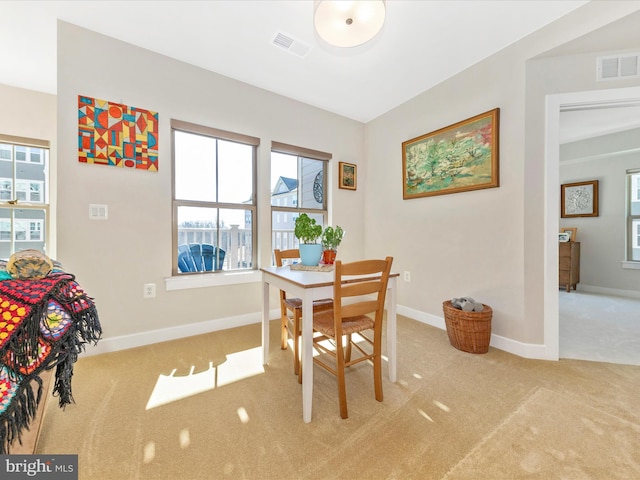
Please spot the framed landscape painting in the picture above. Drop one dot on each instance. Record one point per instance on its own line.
(457, 158)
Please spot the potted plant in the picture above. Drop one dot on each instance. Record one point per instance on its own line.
(331, 238)
(307, 231)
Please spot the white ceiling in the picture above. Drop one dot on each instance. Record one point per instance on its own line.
(421, 44)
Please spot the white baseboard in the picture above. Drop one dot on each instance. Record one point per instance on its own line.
(616, 292)
(150, 337)
(114, 344)
(525, 350)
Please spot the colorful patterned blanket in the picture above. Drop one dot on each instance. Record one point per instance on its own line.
(44, 324)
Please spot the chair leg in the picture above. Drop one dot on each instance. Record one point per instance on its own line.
(283, 331)
(296, 345)
(377, 375)
(342, 388)
(347, 353)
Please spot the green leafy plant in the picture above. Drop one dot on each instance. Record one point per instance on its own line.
(307, 230)
(331, 237)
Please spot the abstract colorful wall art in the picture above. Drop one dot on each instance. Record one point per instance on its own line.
(117, 135)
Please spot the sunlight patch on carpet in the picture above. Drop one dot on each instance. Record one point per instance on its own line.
(236, 367)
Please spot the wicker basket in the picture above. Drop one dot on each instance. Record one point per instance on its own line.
(468, 331)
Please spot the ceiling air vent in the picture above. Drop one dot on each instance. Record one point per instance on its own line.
(290, 44)
(618, 67)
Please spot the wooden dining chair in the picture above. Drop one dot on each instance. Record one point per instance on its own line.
(358, 308)
(291, 311)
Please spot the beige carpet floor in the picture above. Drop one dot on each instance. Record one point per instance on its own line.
(205, 408)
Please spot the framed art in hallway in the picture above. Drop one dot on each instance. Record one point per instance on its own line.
(348, 176)
(458, 158)
(579, 199)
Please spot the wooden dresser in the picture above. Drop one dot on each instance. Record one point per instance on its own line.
(569, 264)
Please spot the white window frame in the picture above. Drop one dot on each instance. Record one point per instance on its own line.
(633, 218)
(27, 204)
(295, 210)
(238, 275)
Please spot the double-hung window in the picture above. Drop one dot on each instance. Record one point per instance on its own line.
(633, 215)
(24, 194)
(298, 185)
(214, 199)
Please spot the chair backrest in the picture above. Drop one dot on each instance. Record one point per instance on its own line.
(185, 262)
(360, 288)
(211, 253)
(282, 255)
(197, 257)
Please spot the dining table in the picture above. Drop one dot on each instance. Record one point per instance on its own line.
(310, 285)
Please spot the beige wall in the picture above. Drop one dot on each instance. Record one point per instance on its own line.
(30, 114)
(487, 244)
(113, 259)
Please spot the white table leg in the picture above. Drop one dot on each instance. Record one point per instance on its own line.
(391, 328)
(265, 323)
(307, 355)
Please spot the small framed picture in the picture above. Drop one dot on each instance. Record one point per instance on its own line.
(564, 237)
(571, 231)
(348, 176)
(579, 199)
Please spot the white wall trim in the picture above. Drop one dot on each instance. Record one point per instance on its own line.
(212, 279)
(630, 265)
(616, 292)
(552, 197)
(525, 350)
(150, 337)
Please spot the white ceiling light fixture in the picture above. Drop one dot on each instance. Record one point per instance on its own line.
(345, 23)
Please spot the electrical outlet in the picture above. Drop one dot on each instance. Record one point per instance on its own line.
(407, 277)
(149, 290)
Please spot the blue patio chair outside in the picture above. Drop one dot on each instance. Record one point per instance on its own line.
(209, 253)
(196, 255)
(185, 262)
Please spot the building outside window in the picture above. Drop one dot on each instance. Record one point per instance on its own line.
(214, 200)
(298, 184)
(633, 215)
(24, 194)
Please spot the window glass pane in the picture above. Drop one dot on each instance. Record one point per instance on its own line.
(228, 229)
(5, 151)
(284, 179)
(236, 237)
(195, 167)
(282, 231)
(21, 153)
(197, 225)
(635, 235)
(235, 165)
(6, 192)
(312, 183)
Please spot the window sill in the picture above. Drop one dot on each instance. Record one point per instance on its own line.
(212, 280)
(631, 265)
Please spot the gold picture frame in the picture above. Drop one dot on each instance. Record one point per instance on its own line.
(347, 176)
(458, 158)
(579, 199)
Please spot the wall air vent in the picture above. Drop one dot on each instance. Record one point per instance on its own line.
(618, 67)
(291, 44)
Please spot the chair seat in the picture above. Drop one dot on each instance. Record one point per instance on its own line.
(296, 303)
(323, 323)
